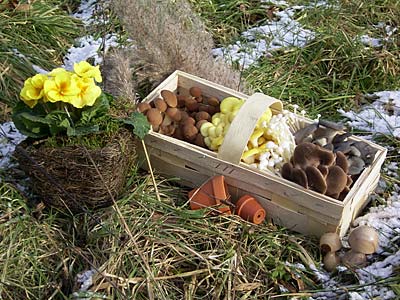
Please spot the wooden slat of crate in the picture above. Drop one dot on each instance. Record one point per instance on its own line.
(287, 203)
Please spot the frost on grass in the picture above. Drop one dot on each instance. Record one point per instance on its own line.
(262, 41)
(9, 138)
(382, 116)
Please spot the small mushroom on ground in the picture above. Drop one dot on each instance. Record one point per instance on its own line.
(170, 98)
(316, 181)
(330, 242)
(331, 261)
(354, 259)
(364, 239)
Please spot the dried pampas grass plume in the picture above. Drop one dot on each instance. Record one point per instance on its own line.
(117, 75)
(169, 36)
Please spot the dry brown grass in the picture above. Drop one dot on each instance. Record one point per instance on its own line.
(169, 36)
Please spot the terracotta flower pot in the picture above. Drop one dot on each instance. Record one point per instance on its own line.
(250, 210)
(213, 193)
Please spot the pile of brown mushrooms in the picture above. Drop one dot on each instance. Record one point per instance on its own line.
(363, 240)
(180, 116)
(319, 169)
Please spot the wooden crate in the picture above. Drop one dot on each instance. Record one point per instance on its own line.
(286, 203)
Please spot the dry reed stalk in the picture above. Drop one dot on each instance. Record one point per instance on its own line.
(169, 36)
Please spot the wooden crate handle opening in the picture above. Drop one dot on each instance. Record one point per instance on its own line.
(243, 125)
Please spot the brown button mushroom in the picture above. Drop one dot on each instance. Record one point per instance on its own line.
(188, 121)
(154, 117)
(354, 259)
(300, 177)
(192, 105)
(330, 242)
(212, 101)
(331, 261)
(167, 130)
(184, 115)
(143, 107)
(199, 140)
(189, 132)
(195, 91)
(170, 98)
(316, 180)
(178, 134)
(202, 115)
(160, 104)
(204, 107)
(364, 239)
(336, 181)
(341, 161)
(174, 113)
(181, 100)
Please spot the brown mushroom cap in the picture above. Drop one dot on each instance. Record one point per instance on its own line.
(324, 170)
(341, 161)
(354, 259)
(154, 117)
(174, 113)
(336, 181)
(195, 91)
(326, 157)
(204, 107)
(212, 101)
(170, 98)
(200, 123)
(192, 105)
(199, 140)
(203, 115)
(188, 121)
(160, 104)
(167, 130)
(331, 261)
(143, 107)
(364, 239)
(305, 155)
(178, 134)
(181, 100)
(184, 115)
(316, 180)
(189, 132)
(299, 177)
(213, 109)
(330, 242)
(286, 171)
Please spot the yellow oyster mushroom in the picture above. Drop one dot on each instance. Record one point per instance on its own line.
(204, 128)
(216, 142)
(251, 152)
(265, 117)
(86, 70)
(62, 87)
(255, 136)
(33, 90)
(89, 92)
(229, 103)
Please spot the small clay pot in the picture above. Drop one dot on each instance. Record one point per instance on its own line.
(250, 210)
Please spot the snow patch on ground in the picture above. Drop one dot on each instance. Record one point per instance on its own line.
(9, 138)
(382, 116)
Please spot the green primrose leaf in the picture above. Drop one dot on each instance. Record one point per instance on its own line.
(140, 124)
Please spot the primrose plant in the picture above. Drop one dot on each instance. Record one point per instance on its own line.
(65, 102)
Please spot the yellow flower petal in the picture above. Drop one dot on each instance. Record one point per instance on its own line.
(86, 70)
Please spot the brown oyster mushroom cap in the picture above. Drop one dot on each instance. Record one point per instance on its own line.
(364, 239)
(336, 181)
(299, 177)
(154, 117)
(341, 161)
(316, 180)
(143, 107)
(202, 115)
(343, 193)
(354, 259)
(331, 261)
(192, 105)
(174, 113)
(170, 98)
(326, 157)
(305, 155)
(305, 132)
(199, 140)
(195, 91)
(323, 169)
(189, 132)
(286, 171)
(160, 104)
(330, 242)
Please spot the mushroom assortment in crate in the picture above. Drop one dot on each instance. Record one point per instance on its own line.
(316, 156)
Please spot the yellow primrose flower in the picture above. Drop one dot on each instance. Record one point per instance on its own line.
(62, 87)
(56, 71)
(33, 89)
(86, 70)
(88, 94)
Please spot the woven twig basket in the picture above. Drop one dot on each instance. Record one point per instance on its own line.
(76, 178)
